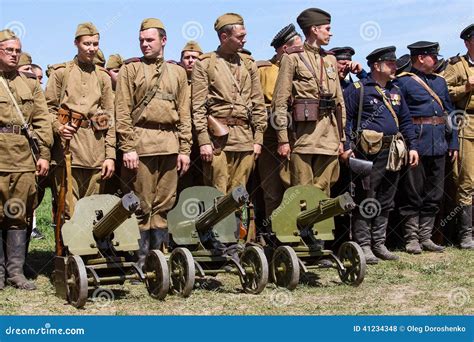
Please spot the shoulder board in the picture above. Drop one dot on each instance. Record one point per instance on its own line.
(132, 60)
(261, 64)
(455, 59)
(28, 74)
(57, 66)
(405, 73)
(295, 49)
(172, 61)
(205, 55)
(245, 56)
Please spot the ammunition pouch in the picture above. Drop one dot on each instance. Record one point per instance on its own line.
(218, 132)
(370, 142)
(398, 153)
(99, 122)
(308, 110)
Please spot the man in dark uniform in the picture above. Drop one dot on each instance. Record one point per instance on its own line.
(383, 110)
(346, 66)
(403, 64)
(427, 98)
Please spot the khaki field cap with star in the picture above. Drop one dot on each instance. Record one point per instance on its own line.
(7, 35)
(114, 62)
(192, 46)
(151, 23)
(228, 19)
(86, 29)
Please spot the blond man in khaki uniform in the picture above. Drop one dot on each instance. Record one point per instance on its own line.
(459, 76)
(17, 166)
(273, 169)
(225, 85)
(308, 73)
(84, 89)
(154, 132)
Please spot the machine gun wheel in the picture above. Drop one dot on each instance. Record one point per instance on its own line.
(353, 259)
(76, 277)
(157, 276)
(255, 264)
(183, 271)
(285, 269)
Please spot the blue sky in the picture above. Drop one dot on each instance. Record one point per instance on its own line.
(47, 27)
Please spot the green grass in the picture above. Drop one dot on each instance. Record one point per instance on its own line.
(427, 284)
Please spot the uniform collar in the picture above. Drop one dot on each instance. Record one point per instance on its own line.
(313, 49)
(89, 67)
(9, 75)
(234, 58)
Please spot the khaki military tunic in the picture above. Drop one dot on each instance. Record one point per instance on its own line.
(17, 167)
(84, 89)
(317, 141)
(162, 131)
(228, 89)
(273, 170)
(456, 75)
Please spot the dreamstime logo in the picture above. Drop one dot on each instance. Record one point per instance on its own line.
(14, 208)
(281, 297)
(192, 30)
(458, 119)
(279, 122)
(191, 208)
(17, 27)
(370, 30)
(458, 297)
(370, 208)
(102, 297)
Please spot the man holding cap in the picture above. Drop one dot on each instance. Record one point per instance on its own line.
(17, 164)
(189, 55)
(345, 65)
(459, 75)
(308, 75)
(272, 168)
(154, 132)
(428, 100)
(225, 86)
(382, 113)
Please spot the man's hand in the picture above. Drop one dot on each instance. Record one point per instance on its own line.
(470, 84)
(42, 167)
(346, 155)
(284, 150)
(67, 131)
(340, 149)
(257, 150)
(108, 168)
(453, 154)
(130, 160)
(413, 158)
(206, 152)
(355, 67)
(182, 164)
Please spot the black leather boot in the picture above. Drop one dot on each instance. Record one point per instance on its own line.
(16, 247)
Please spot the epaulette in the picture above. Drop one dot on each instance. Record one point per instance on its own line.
(132, 60)
(28, 74)
(295, 49)
(261, 64)
(173, 62)
(57, 66)
(205, 55)
(405, 73)
(454, 59)
(245, 56)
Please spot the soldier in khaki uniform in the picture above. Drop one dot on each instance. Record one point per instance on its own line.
(189, 55)
(154, 132)
(225, 85)
(24, 64)
(308, 75)
(273, 169)
(85, 89)
(459, 76)
(114, 63)
(17, 166)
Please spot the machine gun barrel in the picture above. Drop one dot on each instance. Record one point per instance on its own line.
(107, 223)
(326, 209)
(222, 208)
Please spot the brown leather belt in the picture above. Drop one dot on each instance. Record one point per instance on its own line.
(429, 120)
(12, 129)
(162, 127)
(470, 111)
(233, 121)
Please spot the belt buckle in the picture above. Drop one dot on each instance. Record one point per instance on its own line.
(16, 129)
